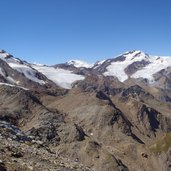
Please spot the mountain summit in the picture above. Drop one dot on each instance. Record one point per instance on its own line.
(79, 64)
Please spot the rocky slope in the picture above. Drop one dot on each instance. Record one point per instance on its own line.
(113, 115)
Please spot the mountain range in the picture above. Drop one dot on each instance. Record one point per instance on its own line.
(113, 115)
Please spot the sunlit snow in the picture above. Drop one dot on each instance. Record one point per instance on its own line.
(79, 64)
(157, 64)
(61, 77)
(11, 85)
(21, 67)
(27, 71)
(117, 68)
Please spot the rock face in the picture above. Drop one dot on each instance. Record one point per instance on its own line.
(2, 166)
(112, 120)
(135, 66)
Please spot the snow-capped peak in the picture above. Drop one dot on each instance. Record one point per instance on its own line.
(79, 64)
(135, 55)
(156, 64)
(21, 66)
(4, 54)
(117, 68)
(148, 65)
(134, 52)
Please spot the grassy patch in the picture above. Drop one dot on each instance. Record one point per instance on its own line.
(162, 145)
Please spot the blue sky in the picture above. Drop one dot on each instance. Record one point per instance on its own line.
(55, 31)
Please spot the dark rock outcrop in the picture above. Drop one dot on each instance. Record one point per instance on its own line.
(135, 66)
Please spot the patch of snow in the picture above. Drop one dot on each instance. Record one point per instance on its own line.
(4, 55)
(35, 63)
(27, 71)
(7, 125)
(21, 66)
(11, 80)
(98, 63)
(11, 85)
(117, 68)
(1, 72)
(8, 78)
(157, 64)
(61, 77)
(79, 64)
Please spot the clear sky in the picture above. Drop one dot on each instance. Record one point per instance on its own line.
(55, 31)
